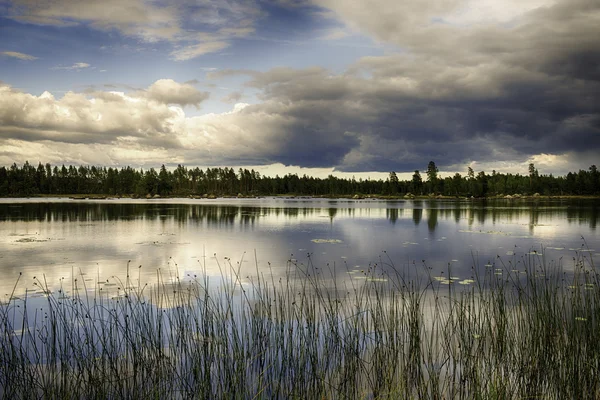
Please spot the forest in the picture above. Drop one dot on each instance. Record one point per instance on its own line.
(29, 180)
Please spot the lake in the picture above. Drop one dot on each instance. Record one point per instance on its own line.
(299, 298)
(60, 240)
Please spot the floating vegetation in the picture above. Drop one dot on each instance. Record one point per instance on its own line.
(443, 280)
(377, 279)
(326, 241)
(31, 240)
(371, 279)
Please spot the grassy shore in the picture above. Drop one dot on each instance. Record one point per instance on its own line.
(524, 328)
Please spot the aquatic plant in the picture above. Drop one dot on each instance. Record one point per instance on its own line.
(530, 332)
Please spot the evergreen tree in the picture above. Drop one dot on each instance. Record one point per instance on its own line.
(393, 183)
(417, 182)
(432, 177)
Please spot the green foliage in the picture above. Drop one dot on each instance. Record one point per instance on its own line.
(417, 183)
(28, 180)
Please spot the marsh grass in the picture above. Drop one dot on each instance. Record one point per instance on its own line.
(523, 328)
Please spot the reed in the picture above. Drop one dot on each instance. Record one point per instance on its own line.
(523, 328)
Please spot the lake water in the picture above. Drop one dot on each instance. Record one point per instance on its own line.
(59, 240)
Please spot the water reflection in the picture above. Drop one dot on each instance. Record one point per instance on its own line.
(481, 212)
(392, 214)
(65, 238)
(417, 214)
(432, 217)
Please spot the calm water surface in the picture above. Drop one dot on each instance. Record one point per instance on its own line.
(93, 241)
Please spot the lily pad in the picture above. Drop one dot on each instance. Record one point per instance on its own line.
(326, 241)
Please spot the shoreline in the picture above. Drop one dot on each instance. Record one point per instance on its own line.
(293, 196)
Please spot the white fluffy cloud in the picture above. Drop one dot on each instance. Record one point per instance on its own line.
(79, 118)
(170, 92)
(131, 128)
(146, 126)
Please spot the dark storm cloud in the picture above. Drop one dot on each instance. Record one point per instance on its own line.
(482, 93)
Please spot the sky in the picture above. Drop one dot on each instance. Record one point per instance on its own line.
(353, 88)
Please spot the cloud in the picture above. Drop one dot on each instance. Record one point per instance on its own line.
(143, 19)
(262, 134)
(141, 120)
(233, 97)
(168, 91)
(223, 73)
(481, 101)
(461, 82)
(334, 34)
(517, 83)
(77, 118)
(472, 33)
(196, 50)
(20, 56)
(194, 28)
(75, 67)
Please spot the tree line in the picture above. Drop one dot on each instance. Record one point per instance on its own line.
(29, 180)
